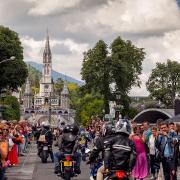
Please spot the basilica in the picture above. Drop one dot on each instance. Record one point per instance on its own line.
(46, 97)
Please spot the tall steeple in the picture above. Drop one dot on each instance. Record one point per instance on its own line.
(28, 96)
(47, 51)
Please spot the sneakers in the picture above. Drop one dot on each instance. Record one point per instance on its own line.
(77, 171)
(153, 177)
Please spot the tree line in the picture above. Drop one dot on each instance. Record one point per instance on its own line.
(106, 70)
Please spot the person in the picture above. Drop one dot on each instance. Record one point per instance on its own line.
(3, 154)
(140, 170)
(68, 143)
(166, 151)
(49, 139)
(119, 148)
(154, 164)
(147, 130)
(108, 131)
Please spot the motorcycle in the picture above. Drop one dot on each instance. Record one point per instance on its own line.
(67, 167)
(44, 154)
(116, 175)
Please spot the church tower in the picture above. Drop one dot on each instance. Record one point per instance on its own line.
(46, 83)
(65, 97)
(28, 96)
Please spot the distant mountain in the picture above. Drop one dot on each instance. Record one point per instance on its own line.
(178, 2)
(55, 74)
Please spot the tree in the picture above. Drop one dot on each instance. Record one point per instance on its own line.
(95, 71)
(13, 73)
(164, 82)
(126, 64)
(58, 86)
(120, 68)
(88, 106)
(12, 110)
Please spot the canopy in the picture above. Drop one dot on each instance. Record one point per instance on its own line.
(153, 114)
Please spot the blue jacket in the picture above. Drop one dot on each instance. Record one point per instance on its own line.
(163, 140)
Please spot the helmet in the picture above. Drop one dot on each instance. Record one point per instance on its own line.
(108, 128)
(68, 129)
(46, 125)
(71, 129)
(123, 126)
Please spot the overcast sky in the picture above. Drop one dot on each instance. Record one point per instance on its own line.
(76, 25)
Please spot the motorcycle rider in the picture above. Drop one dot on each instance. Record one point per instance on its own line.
(108, 131)
(120, 151)
(48, 137)
(68, 143)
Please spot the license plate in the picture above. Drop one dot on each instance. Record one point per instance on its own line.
(68, 163)
(45, 148)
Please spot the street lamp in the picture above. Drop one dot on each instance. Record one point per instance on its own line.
(118, 97)
(12, 58)
(50, 109)
(2, 95)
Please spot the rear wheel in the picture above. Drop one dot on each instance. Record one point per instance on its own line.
(44, 157)
(67, 176)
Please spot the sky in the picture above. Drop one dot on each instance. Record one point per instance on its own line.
(76, 25)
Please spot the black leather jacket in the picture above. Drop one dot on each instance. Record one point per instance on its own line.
(99, 148)
(48, 136)
(120, 153)
(68, 143)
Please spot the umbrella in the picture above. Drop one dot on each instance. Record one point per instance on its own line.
(175, 119)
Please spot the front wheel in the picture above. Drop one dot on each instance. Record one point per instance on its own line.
(67, 176)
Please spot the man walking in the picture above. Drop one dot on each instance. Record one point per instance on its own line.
(165, 145)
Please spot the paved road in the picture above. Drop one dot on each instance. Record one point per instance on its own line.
(31, 168)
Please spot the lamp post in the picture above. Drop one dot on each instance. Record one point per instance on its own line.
(3, 95)
(50, 109)
(12, 58)
(118, 97)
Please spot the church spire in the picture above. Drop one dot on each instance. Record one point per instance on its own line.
(47, 50)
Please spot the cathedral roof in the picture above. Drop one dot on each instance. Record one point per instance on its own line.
(47, 51)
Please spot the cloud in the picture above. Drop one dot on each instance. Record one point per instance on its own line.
(136, 91)
(68, 63)
(76, 25)
(139, 16)
(49, 7)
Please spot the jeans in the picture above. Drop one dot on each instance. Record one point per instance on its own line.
(58, 156)
(168, 167)
(2, 174)
(154, 164)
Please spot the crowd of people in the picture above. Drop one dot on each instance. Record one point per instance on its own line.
(156, 145)
(14, 140)
(157, 148)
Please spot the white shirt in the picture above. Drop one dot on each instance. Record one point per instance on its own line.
(152, 144)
